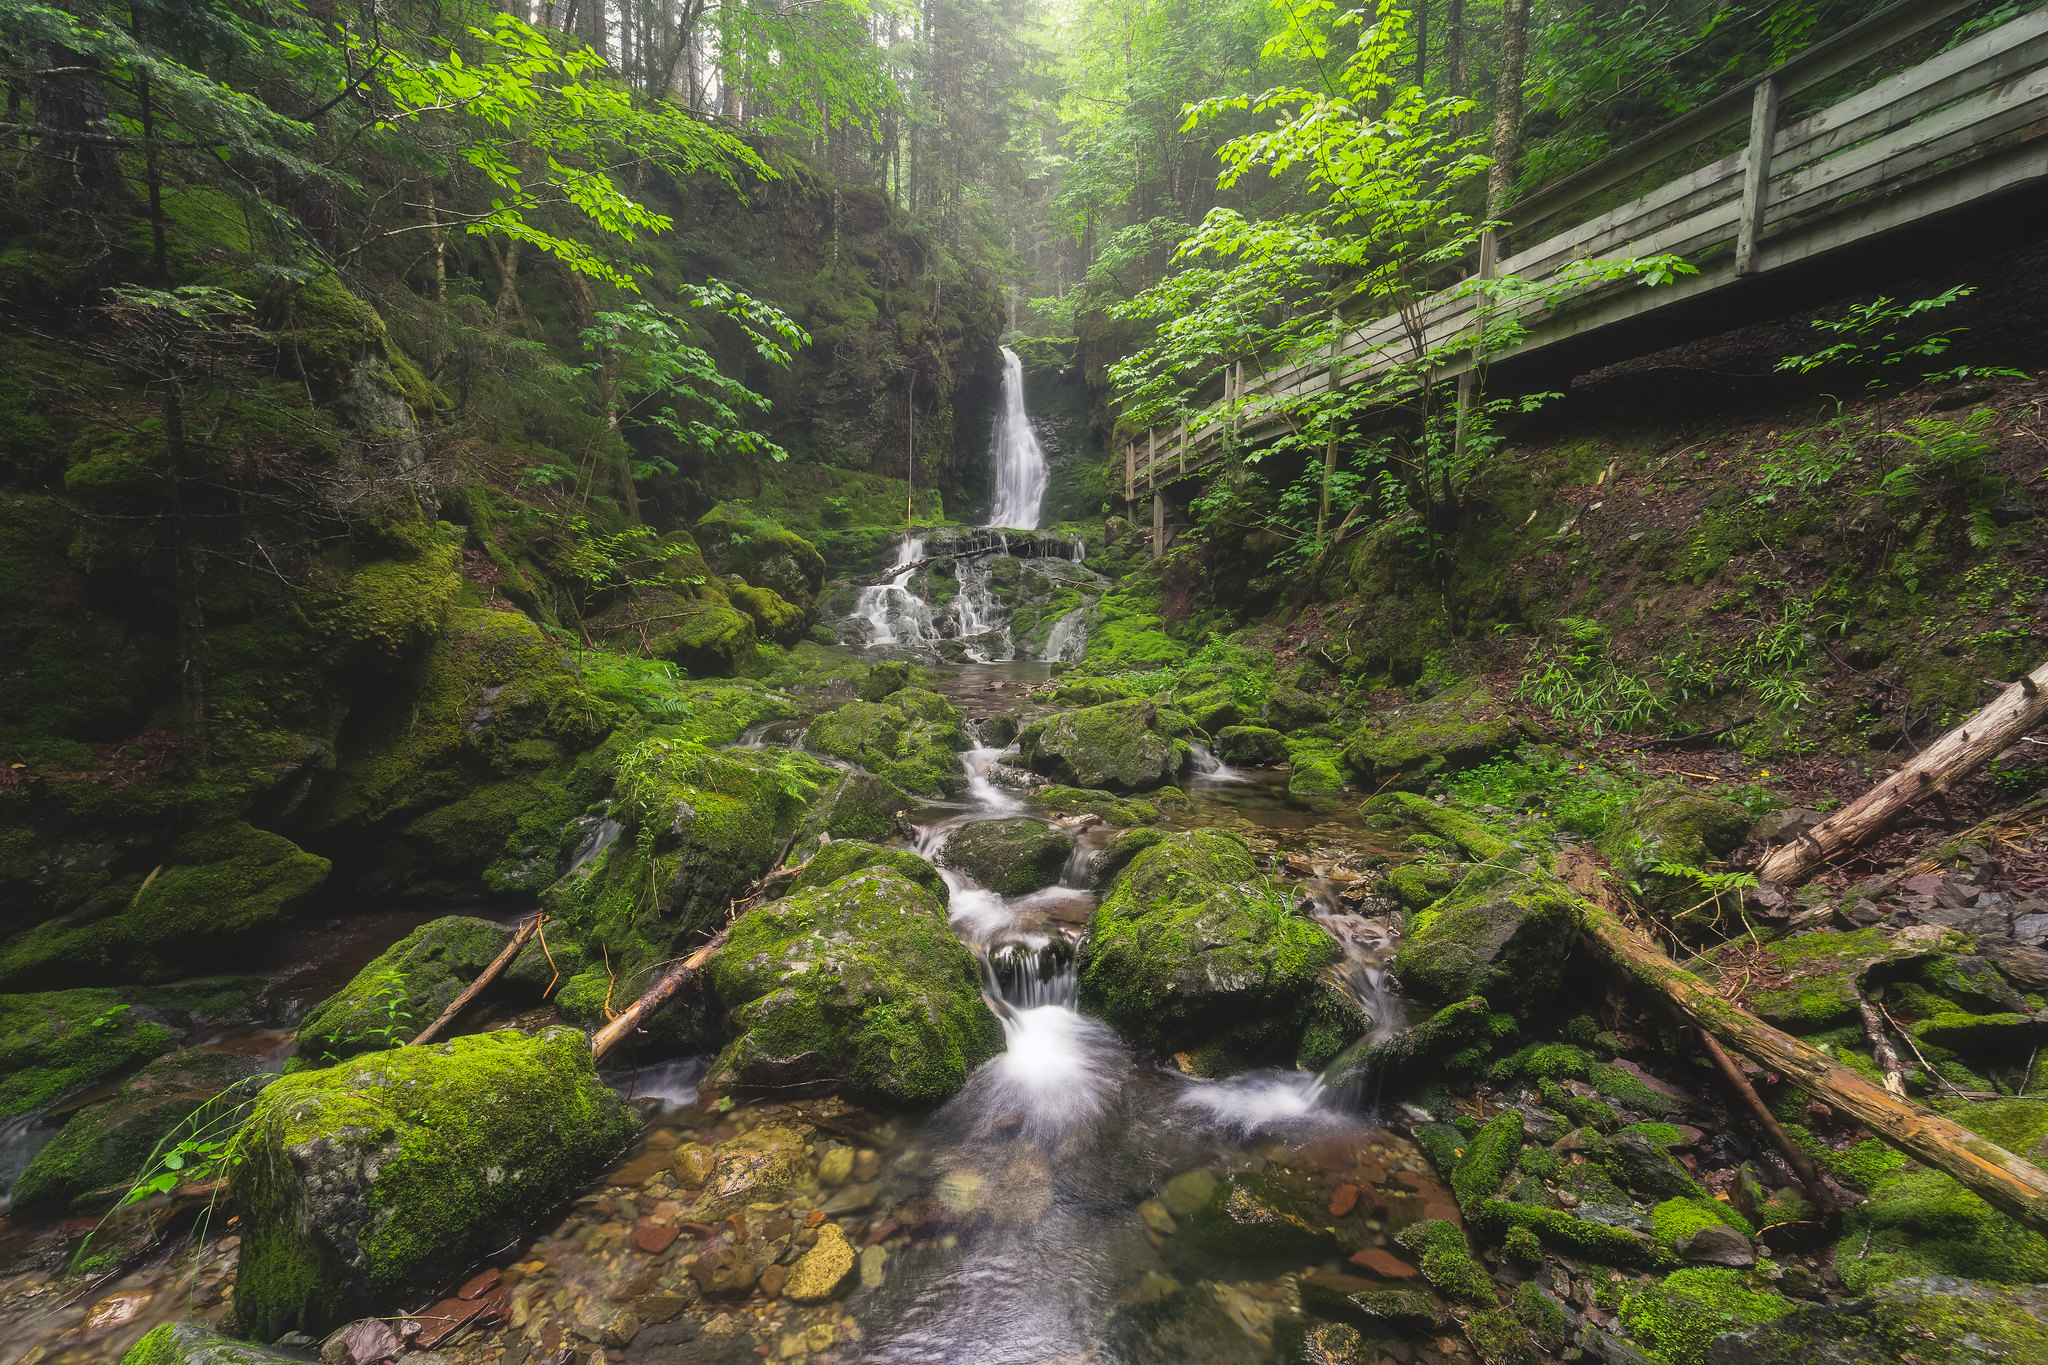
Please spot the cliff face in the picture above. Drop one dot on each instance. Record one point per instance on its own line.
(1057, 399)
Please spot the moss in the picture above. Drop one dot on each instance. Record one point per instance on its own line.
(863, 807)
(1251, 746)
(860, 982)
(367, 1179)
(1419, 885)
(1010, 857)
(1188, 945)
(1118, 854)
(1407, 746)
(1127, 746)
(1922, 1222)
(712, 639)
(913, 748)
(1524, 1246)
(1674, 1319)
(184, 1343)
(712, 712)
(1447, 1263)
(1507, 942)
(1824, 969)
(1619, 1083)
(56, 1042)
(1544, 1062)
(1674, 1220)
(739, 539)
(774, 617)
(1317, 767)
(1116, 812)
(1575, 1236)
(1443, 821)
(1487, 1161)
(844, 857)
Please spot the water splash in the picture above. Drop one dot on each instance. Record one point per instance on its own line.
(892, 608)
(1257, 1100)
(1209, 768)
(1021, 474)
(1068, 639)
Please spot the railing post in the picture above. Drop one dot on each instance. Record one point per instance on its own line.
(1158, 523)
(1130, 471)
(1330, 446)
(1183, 445)
(1756, 175)
(1152, 456)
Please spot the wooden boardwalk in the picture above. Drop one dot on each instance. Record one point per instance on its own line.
(1955, 130)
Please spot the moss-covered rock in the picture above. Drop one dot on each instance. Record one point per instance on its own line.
(1010, 857)
(1126, 746)
(860, 983)
(911, 739)
(1117, 812)
(366, 1180)
(56, 1042)
(1192, 951)
(1819, 976)
(227, 883)
(1118, 854)
(106, 1146)
(1407, 746)
(862, 807)
(1318, 767)
(844, 857)
(1290, 708)
(1931, 1320)
(1249, 1221)
(711, 639)
(1674, 1319)
(406, 987)
(1669, 824)
(1251, 746)
(1922, 1222)
(1506, 940)
(1445, 822)
(1447, 1262)
(775, 617)
(185, 1343)
(737, 539)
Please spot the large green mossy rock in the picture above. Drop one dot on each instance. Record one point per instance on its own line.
(1669, 824)
(184, 1343)
(708, 637)
(107, 1146)
(844, 857)
(1251, 746)
(859, 983)
(1192, 952)
(1817, 977)
(774, 616)
(1502, 936)
(1125, 746)
(1928, 1320)
(1677, 1317)
(406, 987)
(1010, 857)
(1407, 746)
(862, 807)
(369, 1182)
(1318, 767)
(1115, 811)
(1445, 822)
(738, 540)
(698, 826)
(53, 1043)
(224, 884)
(910, 738)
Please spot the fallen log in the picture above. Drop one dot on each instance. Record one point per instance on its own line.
(654, 997)
(1997, 1176)
(2020, 708)
(1795, 1155)
(484, 979)
(914, 565)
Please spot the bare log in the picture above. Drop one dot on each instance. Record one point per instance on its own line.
(1881, 1048)
(654, 997)
(484, 978)
(1795, 1155)
(1997, 1176)
(914, 565)
(2020, 708)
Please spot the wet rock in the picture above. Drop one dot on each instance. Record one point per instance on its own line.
(1383, 1263)
(864, 807)
(1716, 1244)
(817, 1275)
(1010, 857)
(386, 1172)
(844, 857)
(1189, 953)
(1115, 811)
(835, 1168)
(1404, 1309)
(1504, 936)
(910, 740)
(1406, 746)
(1126, 746)
(1256, 1220)
(1188, 1191)
(1251, 746)
(874, 1263)
(693, 1165)
(861, 982)
(183, 1343)
(760, 1166)
(726, 1273)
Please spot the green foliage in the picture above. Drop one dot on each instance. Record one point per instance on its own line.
(1882, 332)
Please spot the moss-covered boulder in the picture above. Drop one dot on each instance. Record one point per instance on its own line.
(911, 738)
(1502, 937)
(1191, 951)
(53, 1043)
(185, 1343)
(1816, 978)
(1929, 1320)
(774, 616)
(1251, 746)
(1407, 746)
(1451, 825)
(406, 987)
(1117, 855)
(710, 638)
(224, 884)
(1118, 812)
(106, 1146)
(1010, 857)
(738, 539)
(1676, 1318)
(863, 806)
(859, 983)
(1126, 746)
(1670, 824)
(367, 1180)
(844, 857)
(1318, 767)
(1290, 708)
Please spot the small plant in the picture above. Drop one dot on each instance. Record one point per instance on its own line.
(1578, 681)
(1883, 333)
(110, 1022)
(391, 1003)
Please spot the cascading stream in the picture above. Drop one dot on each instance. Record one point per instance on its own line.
(1021, 473)
(892, 607)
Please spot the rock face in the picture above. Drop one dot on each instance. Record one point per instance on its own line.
(1499, 934)
(1189, 953)
(1406, 746)
(105, 1145)
(860, 982)
(369, 1179)
(1131, 746)
(1010, 857)
(56, 1041)
(1941, 1320)
(408, 985)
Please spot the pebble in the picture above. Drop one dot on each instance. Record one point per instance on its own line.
(836, 1167)
(817, 1275)
(872, 1263)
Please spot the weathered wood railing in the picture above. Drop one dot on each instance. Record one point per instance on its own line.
(1950, 131)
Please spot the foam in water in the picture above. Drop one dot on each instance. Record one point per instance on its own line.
(1021, 475)
(1258, 1099)
(1210, 768)
(673, 1082)
(1057, 1072)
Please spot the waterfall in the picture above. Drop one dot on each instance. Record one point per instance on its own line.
(892, 605)
(1019, 462)
(1068, 639)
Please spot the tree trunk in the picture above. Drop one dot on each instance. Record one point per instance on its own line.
(185, 584)
(2020, 708)
(1454, 49)
(1507, 105)
(1987, 1170)
(152, 172)
(1421, 42)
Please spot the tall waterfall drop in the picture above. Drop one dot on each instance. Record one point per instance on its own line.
(1021, 475)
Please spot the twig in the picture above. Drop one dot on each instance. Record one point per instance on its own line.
(484, 978)
(1795, 1155)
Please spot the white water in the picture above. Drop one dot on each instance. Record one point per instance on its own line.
(1209, 768)
(976, 609)
(1021, 475)
(894, 615)
(1068, 640)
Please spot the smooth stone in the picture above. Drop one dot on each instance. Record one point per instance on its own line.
(814, 1278)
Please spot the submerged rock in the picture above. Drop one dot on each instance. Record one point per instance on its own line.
(814, 1277)
(184, 1343)
(366, 1180)
(860, 982)
(1190, 950)
(1009, 857)
(1124, 746)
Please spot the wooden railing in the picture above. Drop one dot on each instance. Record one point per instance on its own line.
(1952, 130)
